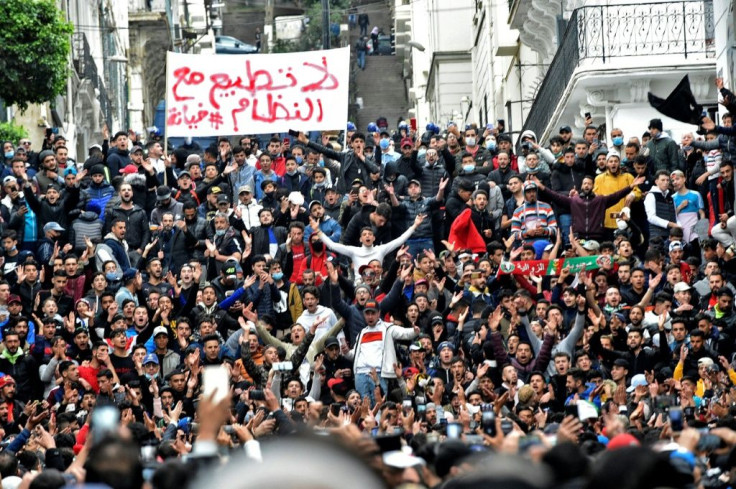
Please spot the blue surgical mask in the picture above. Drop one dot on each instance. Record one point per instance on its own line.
(9, 154)
(618, 141)
(299, 159)
(111, 277)
(321, 162)
(468, 168)
(491, 145)
(384, 143)
(470, 141)
(277, 276)
(220, 232)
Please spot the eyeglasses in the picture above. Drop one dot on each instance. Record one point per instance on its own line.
(25, 143)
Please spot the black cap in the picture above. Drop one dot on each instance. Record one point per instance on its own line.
(97, 170)
(371, 305)
(565, 129)
(331, 341)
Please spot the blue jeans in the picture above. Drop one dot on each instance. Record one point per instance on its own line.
(564, 221)
(361, 60)
(365, 386)
(418, 245)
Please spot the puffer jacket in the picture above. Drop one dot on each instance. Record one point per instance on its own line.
(137, 230)
(87, 225)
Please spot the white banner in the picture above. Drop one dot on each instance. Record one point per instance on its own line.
(212, 95)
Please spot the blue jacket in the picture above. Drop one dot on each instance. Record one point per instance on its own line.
(329, 226)
(118, 251)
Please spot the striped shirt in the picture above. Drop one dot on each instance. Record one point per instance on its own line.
(533, 216)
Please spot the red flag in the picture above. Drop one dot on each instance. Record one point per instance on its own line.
(464, 234)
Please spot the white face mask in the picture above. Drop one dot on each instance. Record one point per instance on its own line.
(470, 141)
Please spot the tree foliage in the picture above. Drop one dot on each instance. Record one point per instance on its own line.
(9, 131)
(34, 50)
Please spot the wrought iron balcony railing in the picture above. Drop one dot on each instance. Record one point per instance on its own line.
(598, 35)
(86, 68)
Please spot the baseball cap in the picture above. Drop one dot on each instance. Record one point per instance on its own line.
(637, 380)
(407, 142)
(6, 380)
(245, 188)
(681, 287)
(331, 341)
(163, 193)
(9, 179)
(184, 173)
(313, 203)
(591, 245)
(136, 149)
(530, 186)
(129, 169)
(565, 129)
(416, 346)
(675, 245)
(215, 190)
(14, 298)
(52, 226)
(150, 358)
(437, 319)
(230, 267)
(160, 330)
(371, 305)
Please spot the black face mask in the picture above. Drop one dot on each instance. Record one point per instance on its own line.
(318, 246)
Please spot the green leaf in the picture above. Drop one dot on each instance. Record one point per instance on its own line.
(34, 47)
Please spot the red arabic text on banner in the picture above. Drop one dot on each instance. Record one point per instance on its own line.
(212, 95)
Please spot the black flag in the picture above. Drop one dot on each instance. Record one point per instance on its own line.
(680, 104)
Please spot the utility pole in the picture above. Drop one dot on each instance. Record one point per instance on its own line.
(325, 24)
(268, 31)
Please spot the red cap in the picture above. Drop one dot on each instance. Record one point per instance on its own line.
(129, 169)
(14, 298)
(621, 441)
(407, 141)
(5, 380)
(333, 382)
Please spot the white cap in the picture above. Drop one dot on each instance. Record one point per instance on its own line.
(296, 198)
(637, 380)
(681, 287)
(160, 330)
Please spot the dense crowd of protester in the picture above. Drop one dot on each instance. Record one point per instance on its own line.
(161, 309)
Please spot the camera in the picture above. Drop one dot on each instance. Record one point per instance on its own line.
(526, 145)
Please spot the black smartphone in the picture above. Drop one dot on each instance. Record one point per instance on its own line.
(335, 408)
(257, 395)
(294, 133)
(570, 410)
(588, 116)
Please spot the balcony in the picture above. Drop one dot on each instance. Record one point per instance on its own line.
(611, 48)
(86, 69)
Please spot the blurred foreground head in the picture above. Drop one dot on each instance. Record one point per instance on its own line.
(294, 463)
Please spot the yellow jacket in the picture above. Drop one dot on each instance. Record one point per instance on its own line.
(700, 388)
(606, 184)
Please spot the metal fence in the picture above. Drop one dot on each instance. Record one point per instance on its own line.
(596, 34)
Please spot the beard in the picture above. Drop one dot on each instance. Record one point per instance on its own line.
(126, 200)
